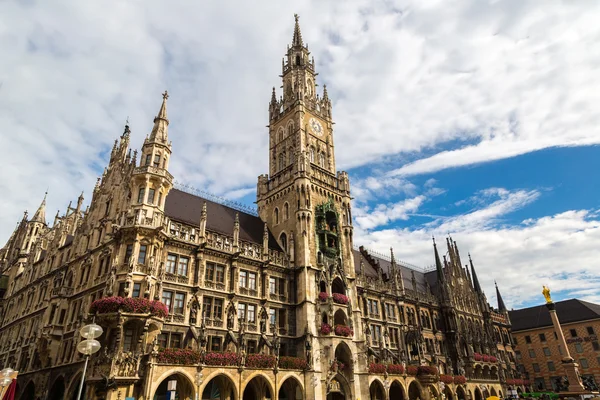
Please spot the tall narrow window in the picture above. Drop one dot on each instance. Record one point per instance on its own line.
(276, 215)
(171, 263)
(148, 158)
(251, 314)
(151, 196)
(157, 160)
(283, 241)
(286, 211)
(251, 281)
(141, 196)
(167, 297)
(183, 266)
(210, 272)
(179, 300)
(207, 306)
(142, 254)
(220, 273)
(243, 279)
(159, 202)
(128, 340)
(218, 311)
(312, 154)
(128, 253)
(136, 290)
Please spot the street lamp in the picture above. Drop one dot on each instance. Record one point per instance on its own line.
(88, 347)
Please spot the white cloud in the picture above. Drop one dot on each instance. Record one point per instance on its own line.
(383, 214)
(557, 250)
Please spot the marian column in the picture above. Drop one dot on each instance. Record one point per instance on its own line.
(568, 363)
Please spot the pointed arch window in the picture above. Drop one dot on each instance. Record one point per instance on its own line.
(276, 215)
(282, 160)
(322, 160)
(157, 160)
(312, 154)
(280, 134)
(290, 128)
(283, 241)
(291, 154)
(286, 211)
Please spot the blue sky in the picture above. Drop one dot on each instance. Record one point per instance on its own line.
(472, 118)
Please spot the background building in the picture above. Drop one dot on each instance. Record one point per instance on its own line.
(539, 353)
(231, 304)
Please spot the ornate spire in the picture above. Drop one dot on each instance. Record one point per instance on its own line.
(40, 214)
(476, 284)
(438, 263)
(297, 40)
(273, 96)
(160, 131)
(501, 305)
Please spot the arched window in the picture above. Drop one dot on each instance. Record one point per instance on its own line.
(280, 134)
(286, 211)
(276, 216)
(312, 154)
(290, 128)
(297, 59)
(281, 161)
(283, 241)
(291, 155)
(322, 160)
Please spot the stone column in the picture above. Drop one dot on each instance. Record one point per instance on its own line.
(568, 363)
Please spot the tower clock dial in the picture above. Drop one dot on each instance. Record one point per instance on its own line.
(315, 127)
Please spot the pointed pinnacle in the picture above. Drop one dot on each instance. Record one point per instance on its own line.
(297, 40)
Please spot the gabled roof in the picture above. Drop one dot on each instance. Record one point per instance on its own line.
(184, 207)
(386, 266)
(568, 311)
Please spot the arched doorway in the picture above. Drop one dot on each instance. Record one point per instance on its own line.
(460, 393)
(338, 388)
(376, 390)
(290, 390)
(257, 389)
(396, 391)
(493, 392)
(219, 388)
(57, 392)
(478, 395)
(184, 389)
(343, 356)
(414, 392)
(29, 392)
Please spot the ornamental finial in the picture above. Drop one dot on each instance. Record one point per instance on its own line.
(546, 293)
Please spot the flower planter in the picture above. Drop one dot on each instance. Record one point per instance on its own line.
(263, 361)
(340, 298)
(222, 359)
(375, 368)
(178, 356)
(460, 380)
(395, 369)
(323, 296)
(412, 370)
(447, 379)
(325, 329)
(342, 330)
(133, 305)
(292, 363)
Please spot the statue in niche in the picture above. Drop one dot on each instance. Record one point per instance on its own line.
(110, 282)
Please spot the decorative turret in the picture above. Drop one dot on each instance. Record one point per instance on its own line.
(476, 284)
(501, 305)
(40, 214)
(438, 263)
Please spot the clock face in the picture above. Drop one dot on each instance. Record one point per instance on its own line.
(315, 127)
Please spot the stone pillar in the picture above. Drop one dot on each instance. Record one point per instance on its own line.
(568, 363)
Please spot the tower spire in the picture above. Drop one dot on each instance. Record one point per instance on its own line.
(160, 130)
(40, 214)
(501, 305)
(297, 40)
(476, 284)
(438, 263)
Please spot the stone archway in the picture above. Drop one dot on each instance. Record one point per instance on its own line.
(396, 391)
(448, 393)
(257, 389)
(339, 389)
(220, 387)
(376, 390)
(57, 391)
(478, 395)
(460, 393)
(493, 392)
(414, 391)
(337, 286)
(29, 392)
(290, 389)
(184, 388)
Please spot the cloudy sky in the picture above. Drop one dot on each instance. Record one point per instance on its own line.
(469, 117)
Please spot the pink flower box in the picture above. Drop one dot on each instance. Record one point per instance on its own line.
(325, 329)
(342, 330)
(323, 296)
(477, 356)
(447, 379)
(222, 359)
(178, 356)
(460, 380)
(263, 361)
(412, 370)
(340, 298)
(395, 369)
(133, 305)
(292, 363)
(375, 368)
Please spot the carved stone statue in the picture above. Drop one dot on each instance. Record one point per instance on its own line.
(308, 346)
(148, 285)
(110, 282)
(546, 293)
(230, 317)
(193, 312)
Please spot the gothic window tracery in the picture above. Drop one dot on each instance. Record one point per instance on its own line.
(312, 154)
(286, 211)
(283, 241)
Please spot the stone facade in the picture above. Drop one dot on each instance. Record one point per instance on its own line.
(275, 305)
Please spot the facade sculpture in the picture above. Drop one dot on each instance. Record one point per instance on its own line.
(290, 308)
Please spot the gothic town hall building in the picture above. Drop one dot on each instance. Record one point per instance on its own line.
(206, 301)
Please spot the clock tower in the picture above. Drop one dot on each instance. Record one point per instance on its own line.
(303, 200)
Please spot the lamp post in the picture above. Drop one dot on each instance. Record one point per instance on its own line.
(88, 346)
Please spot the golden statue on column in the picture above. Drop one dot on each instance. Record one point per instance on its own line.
(546, 293)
